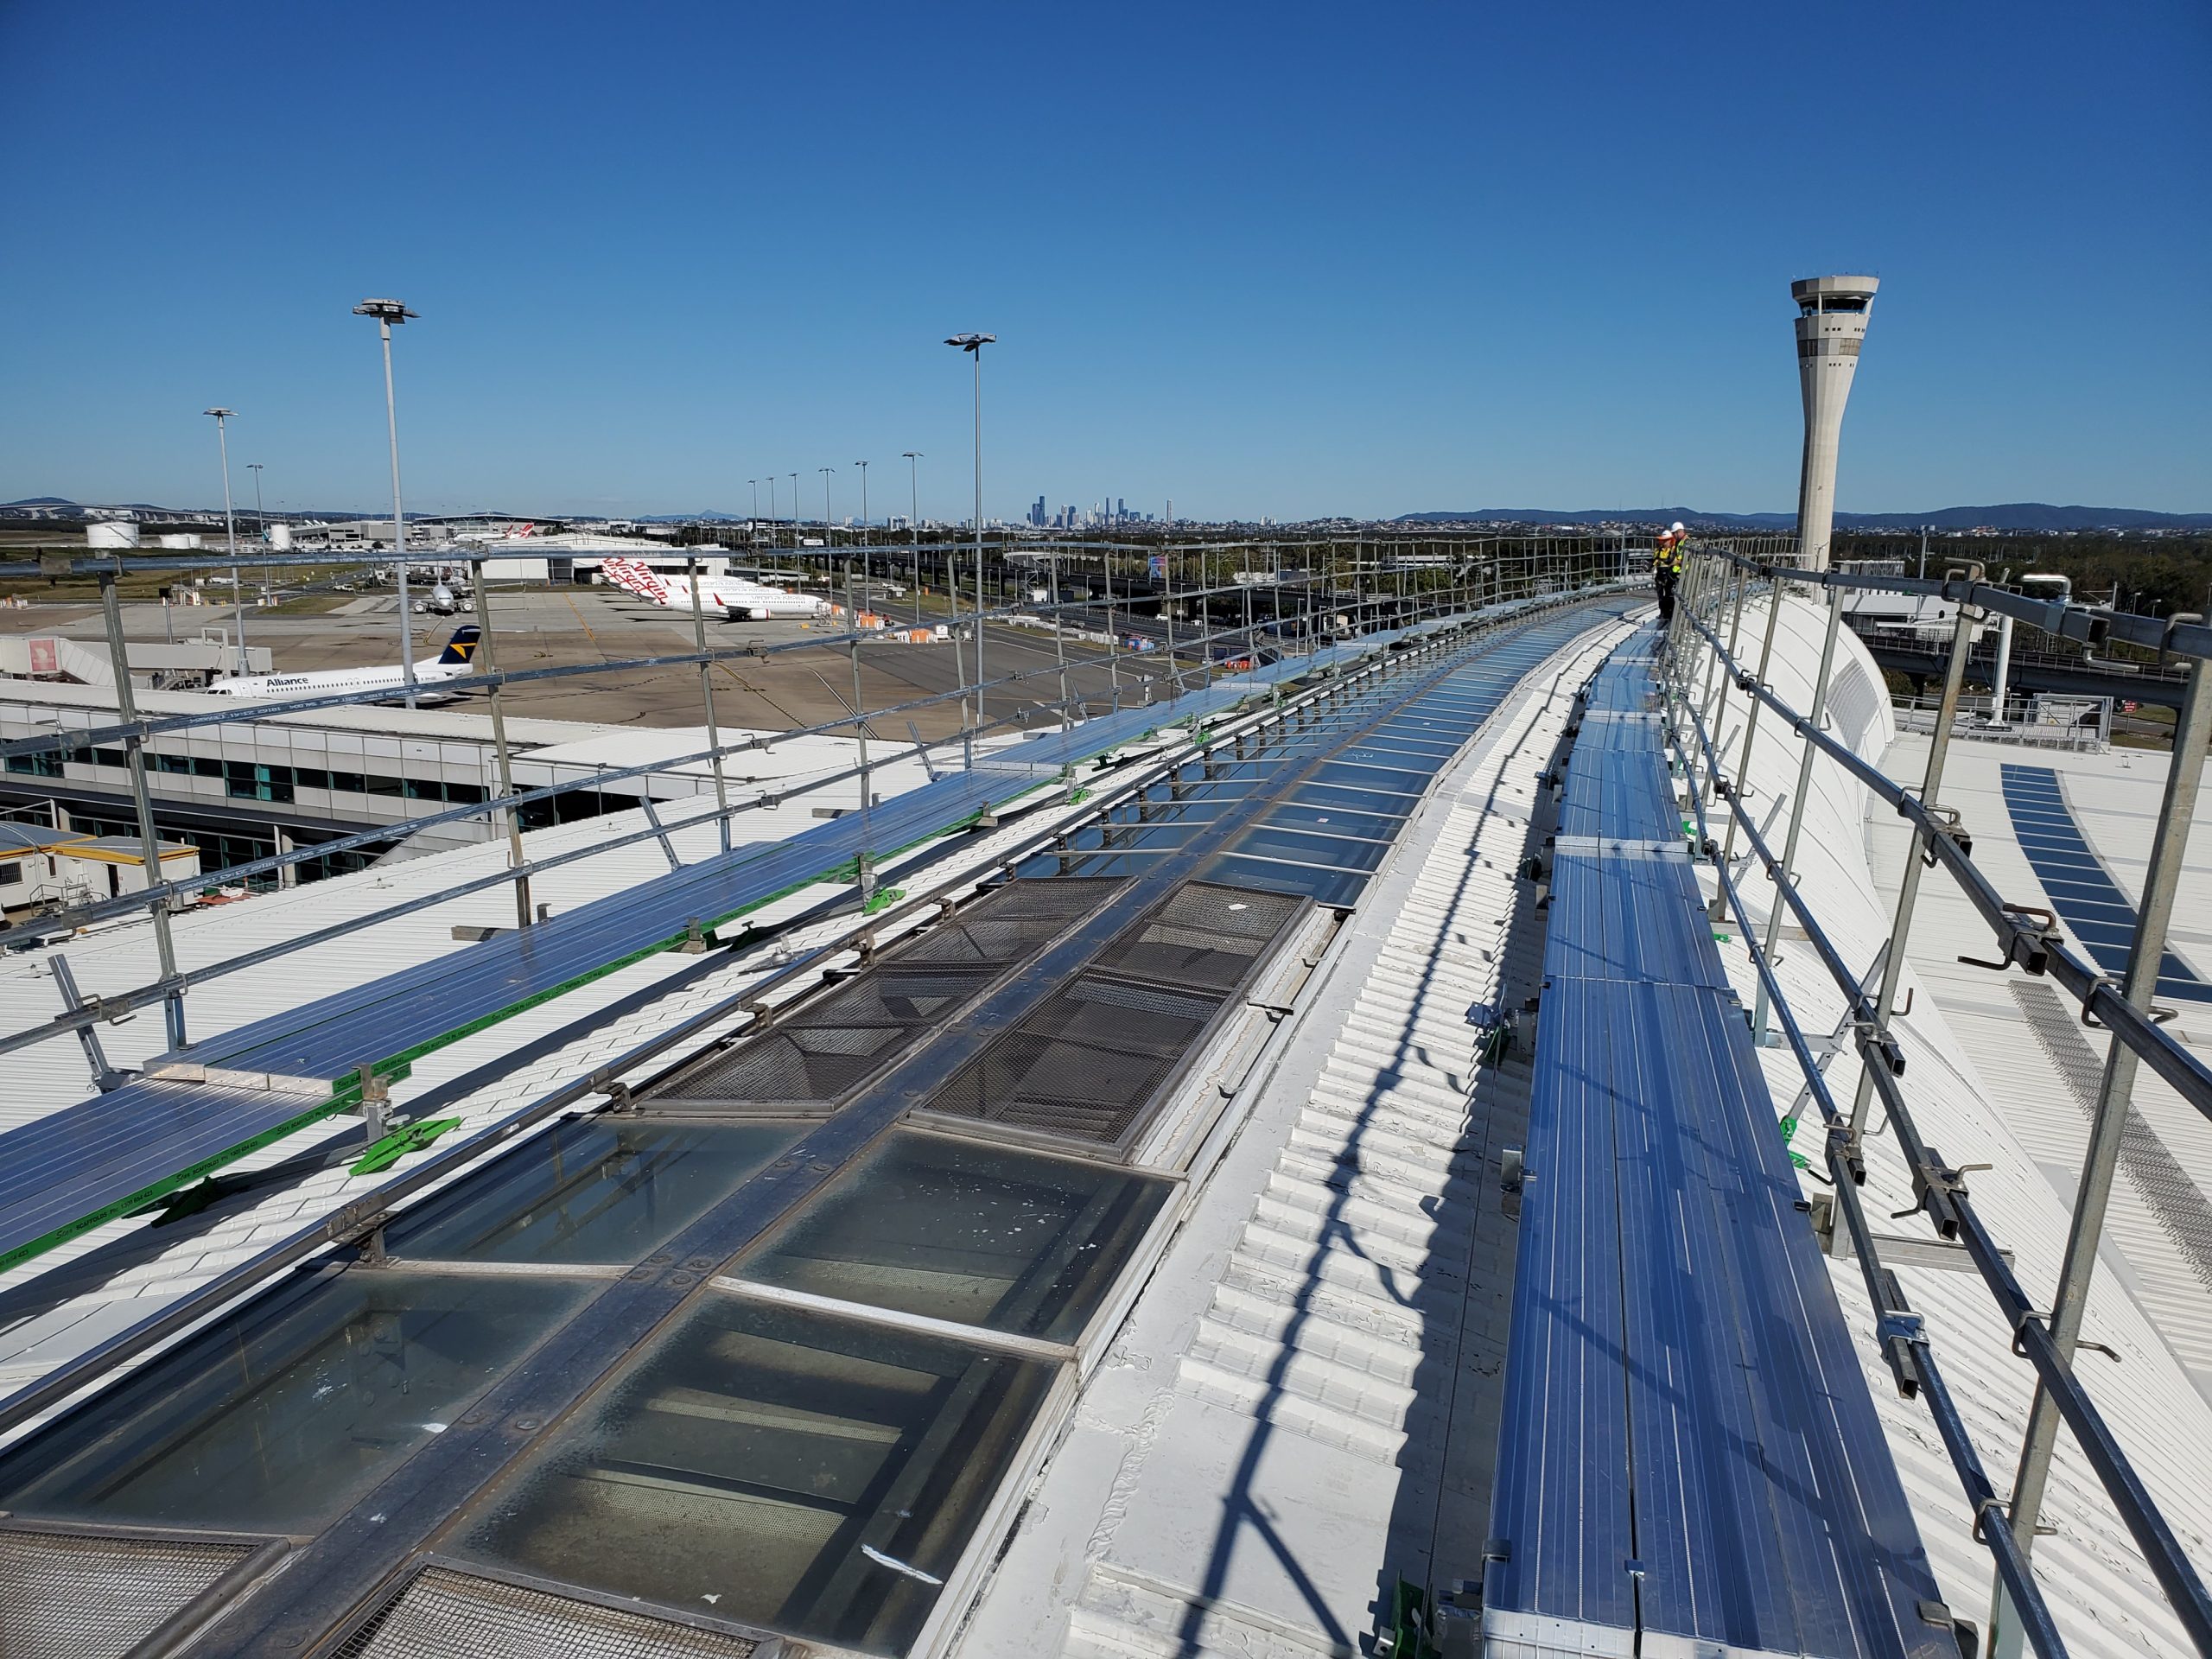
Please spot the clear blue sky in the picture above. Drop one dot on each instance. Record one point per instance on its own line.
(1280, 259)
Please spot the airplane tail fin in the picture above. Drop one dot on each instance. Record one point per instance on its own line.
(636, 575)
(461, 648)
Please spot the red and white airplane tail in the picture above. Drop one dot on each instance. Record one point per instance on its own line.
(638, 578)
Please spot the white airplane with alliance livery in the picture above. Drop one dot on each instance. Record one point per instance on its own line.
(734, 598)
(457, 659)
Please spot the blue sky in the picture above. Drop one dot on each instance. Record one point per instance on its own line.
(1280, 259)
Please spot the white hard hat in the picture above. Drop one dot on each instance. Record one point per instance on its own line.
(1678, 527)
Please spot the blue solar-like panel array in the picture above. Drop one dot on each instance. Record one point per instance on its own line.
(1687, 1449)
(2081, 890)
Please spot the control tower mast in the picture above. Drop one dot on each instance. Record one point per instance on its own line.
(1831, 328)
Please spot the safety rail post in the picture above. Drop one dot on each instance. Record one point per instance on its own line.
(1750, 724)
(1798, 802)
(1939, 747)
(2107, 1123)
(1716, 700)
(149, 844)
(707, 696)
(512, 814)
(1949, 1208)
(1899, 1332)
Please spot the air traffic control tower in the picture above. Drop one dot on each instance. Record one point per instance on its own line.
(1831, 328)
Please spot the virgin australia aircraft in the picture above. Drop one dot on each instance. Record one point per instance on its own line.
(736, 599)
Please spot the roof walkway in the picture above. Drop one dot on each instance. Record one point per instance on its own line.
(1689, 1459)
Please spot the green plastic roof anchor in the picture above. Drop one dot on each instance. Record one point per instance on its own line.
(882, 898)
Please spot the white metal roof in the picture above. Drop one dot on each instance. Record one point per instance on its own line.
(2115, 798)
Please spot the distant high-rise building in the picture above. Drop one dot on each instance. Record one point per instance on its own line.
(1037, 514)
(1831, 328)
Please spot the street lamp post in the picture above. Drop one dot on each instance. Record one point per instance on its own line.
(828, 540)
(771, 503)
(756, 483)
(972, 344)
(864, 566)
(794, 509)
(388, 312)
(914, 523)
(230, 527)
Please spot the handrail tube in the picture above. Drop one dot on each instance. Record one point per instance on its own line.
(2090, 624)
(255, 709)
(144, 897)
(105, 1008)
(1946, 1202)
(1891, 1307)
(2090, 986)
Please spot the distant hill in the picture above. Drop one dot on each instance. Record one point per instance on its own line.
(2012, 515)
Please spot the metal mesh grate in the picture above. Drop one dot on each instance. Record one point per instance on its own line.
(1204, 935)
(75, 1596)
(1087, 1061)
(441, 1614)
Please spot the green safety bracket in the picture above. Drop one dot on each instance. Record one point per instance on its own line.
(1789, 1133)
(1079, 795)
(1723, 938)
(1406, 1637)
(882, 898)
(412, 1137)
(1497, 1043)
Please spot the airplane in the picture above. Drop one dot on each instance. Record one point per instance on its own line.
(442, 602)
(511, 533)
(456, 660)
(739, 599)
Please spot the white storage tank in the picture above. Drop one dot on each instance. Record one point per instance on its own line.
(112, 534)
(280, 538)
(188, 543)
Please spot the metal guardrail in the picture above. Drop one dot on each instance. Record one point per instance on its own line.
(2093, 625)
(1701, 669)
(1485, 572)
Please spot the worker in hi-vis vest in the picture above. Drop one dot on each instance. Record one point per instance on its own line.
(1666, 569)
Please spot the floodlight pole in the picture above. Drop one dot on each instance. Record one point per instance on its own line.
(828, 540)
(261, 522)
(914, 523)
(756, 483)
(230, 526)
(972, 344)
(864, 568)
(795, 536)
(387, 312)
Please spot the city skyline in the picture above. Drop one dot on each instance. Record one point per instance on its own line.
(1515, 265)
